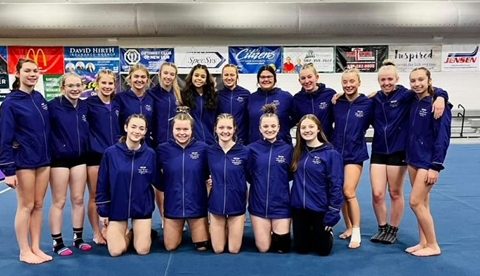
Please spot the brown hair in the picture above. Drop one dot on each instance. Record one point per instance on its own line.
(18, 67)
(429, 76)
(300, 146)
(123, 139)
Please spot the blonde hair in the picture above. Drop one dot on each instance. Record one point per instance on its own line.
(64, 79)
(137, 67)
(176, 88)
(354, 71)
(388, 65)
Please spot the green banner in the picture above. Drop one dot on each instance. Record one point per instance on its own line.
(51, 84)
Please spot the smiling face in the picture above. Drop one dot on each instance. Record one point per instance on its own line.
(420, 82)
(350, 83)
(308, 79)
(269, 128)
(225, 130)
(72, 87)
(139, 80)
(182, 132)
(167, 74)
(199, 77)
(106, 85)
(28, 76)
(387, 78)
(136, 128)
(230, 77)
(266, 80)
(309, 130)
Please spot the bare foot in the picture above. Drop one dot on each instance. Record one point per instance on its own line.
(346, 235)
(30, 258)
(414, 248)
(427, 251)
(42, 255)
(99, 239)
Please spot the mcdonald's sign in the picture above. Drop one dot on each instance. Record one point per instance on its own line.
(50, 60)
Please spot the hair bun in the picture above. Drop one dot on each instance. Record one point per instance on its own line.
(183, 109)
(269, 108)
(387, 62)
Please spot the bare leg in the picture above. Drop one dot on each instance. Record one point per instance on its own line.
(172, 233)
(159, 196)
(41, 183)
(92, 177)
(262, 230)
(235, 233)
(396, 177)
(199, 230)
(218, 233)
(78, 178)
(352, 178)
(142, 240)
(412, 172)
(25, 201)
(418, 199)
(117, 237)
(378, 179)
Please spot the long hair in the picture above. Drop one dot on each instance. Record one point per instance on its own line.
(18, 67)
(176, 88)
(429, 76)
(137, 67)
(189, 91)
(106, 72)
(301, 145)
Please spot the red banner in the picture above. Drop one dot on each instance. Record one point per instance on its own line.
(49, 59)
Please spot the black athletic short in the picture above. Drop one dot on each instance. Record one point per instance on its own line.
(68, 162)
(94, 159)
(393, 159)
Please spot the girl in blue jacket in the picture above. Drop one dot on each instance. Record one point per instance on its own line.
(69, 143)
(233, 99)
(200, 96)
(183, 173)
(103, 120)
(265, 94)
(136, 100)
(317, 191)
(314, 98)
(428, 142)
(269, 199)
(166, 98)
(387, 163)
(227, 203)
(124, 191)
(353, 113)
(25, 157)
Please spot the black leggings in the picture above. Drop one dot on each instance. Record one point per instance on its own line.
(309, 232)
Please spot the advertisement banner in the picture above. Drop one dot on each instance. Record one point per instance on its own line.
(213, 57)
(321, 57)
(364, 58)
(460, 58)
(250, 59)
(48, 59)
(407, 58)
(87, 61)
(152, 58)
(3, 70)
(51, 85)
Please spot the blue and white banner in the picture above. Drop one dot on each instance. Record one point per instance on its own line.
(88, 61)
(250, 59)
(213, 57)
(460, 58)
(151, 58)
(406, 58)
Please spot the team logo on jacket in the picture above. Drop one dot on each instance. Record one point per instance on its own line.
(323, 105)
(422, 112)
(317, 160)
(44, 106)
(240, 99)
(237, 161)
(281, 159)
(84, 118)
(276, 102)
(148, 107)
(394, 103)
(359, 114)
(194, 155)
(117, 112)
(143, 170)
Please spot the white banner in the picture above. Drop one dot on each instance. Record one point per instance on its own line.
(460, 58)
(322, 58)
(406, 58)
(213, 57)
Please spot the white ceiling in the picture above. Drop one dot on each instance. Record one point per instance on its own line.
(127, 18)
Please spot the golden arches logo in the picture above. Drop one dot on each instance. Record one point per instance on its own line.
(35, 55)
